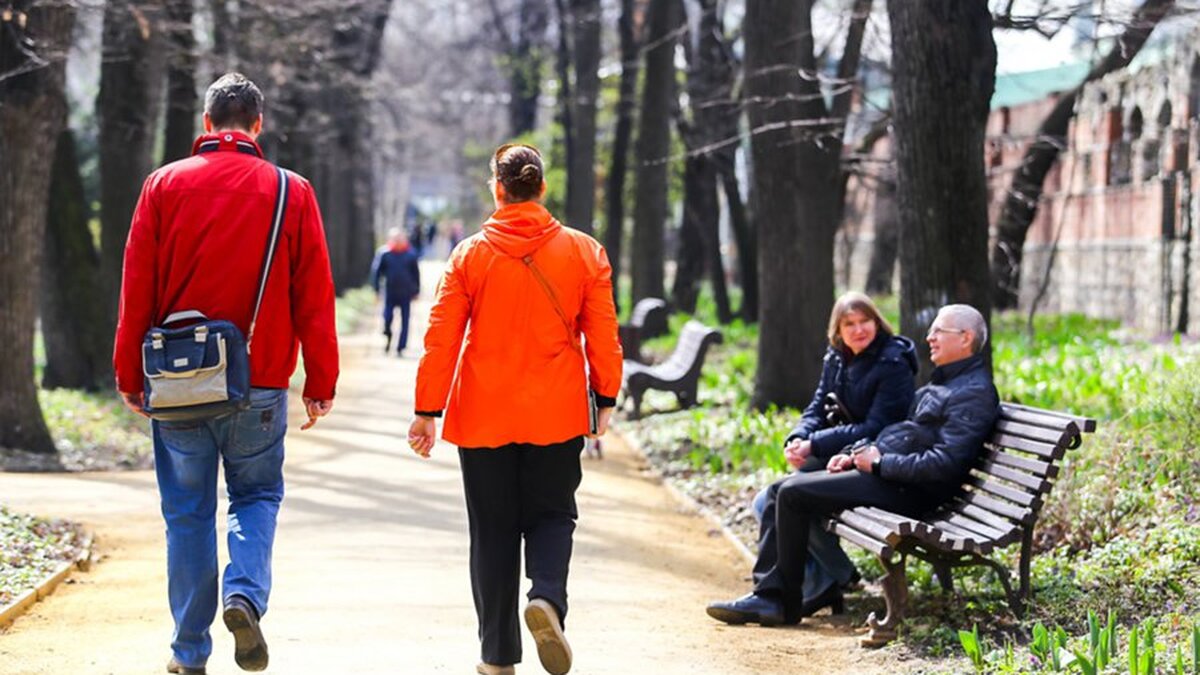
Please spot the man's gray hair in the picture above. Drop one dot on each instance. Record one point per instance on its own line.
(966, 317)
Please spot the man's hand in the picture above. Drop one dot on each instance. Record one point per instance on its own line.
(603, 417)
(839, 463)
(315, 408)
(863, 458)
(422, 434)
(796, 452)
(135, 402)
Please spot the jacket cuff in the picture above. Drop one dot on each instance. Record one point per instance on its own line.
(428, 413)
(603, 401)
(885, 463)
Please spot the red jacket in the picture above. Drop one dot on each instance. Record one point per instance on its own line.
(520, 378)
(197, 241)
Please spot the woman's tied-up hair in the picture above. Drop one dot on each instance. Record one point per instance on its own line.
(518, 167)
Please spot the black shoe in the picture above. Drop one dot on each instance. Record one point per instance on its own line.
(250, 648)
(750, 608)
(174, 666)
(854, 582)
(831, 597)
(387, 345)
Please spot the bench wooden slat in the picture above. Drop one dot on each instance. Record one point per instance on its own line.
(870, 526)
(1049, 451)
(903, 525)
(850, 534)
(997, 506)
(1085, 424)
(1033, 466)
(957, 538)
(1039, 419)
(1010, 493)
(985, 516)
(1053, 436)
(1035, 483)
(992, 534)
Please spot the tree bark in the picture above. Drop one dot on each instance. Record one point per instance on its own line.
(796, 147)
(652, 150)
(614, 229)
(78, 349)
(127, 109)
(525, 64)
(941, 87)
(690, 258)
(1021, 204)
(34, 38)
(181, 82)
(887, 243)
(581, 165)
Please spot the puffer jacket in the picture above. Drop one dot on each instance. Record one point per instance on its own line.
(944, 433)
(876, 387)
(520, 378)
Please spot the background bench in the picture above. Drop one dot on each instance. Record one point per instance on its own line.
(999, 506)
(648, 319)
(679, 374)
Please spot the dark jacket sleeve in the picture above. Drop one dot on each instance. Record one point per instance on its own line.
(970, 414)
(890, 404)
(415, 270)
(377, 270)
(813, 417)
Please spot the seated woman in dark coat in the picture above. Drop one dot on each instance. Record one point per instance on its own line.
(866, 384)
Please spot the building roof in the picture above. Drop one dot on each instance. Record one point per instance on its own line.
(1033, 85)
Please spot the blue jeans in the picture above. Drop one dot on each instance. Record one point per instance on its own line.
(250, 445)
(389, 308)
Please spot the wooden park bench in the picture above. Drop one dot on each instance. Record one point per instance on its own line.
(679, 374)
(999, 506)
(648, 319)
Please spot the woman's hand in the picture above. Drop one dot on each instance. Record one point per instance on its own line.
(422, 434)
(839, 463)
(797, 452)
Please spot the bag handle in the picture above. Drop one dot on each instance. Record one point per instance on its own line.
(528, 260)
(184, 316)
(281, 195)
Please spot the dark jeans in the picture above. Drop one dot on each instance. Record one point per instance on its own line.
(389, 312)
(518, 491)
(802, 501)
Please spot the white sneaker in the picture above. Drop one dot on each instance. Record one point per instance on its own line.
(543, 623)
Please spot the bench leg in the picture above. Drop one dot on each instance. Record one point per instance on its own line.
(636, 397)
(1025, 590)
(895, 594)
(945, 576)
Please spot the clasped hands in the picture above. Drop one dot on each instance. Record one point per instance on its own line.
(797, 452)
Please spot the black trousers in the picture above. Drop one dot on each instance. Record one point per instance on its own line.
(801, 501)
(518, 491)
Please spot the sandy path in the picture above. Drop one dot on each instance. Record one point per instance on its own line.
(371, 565)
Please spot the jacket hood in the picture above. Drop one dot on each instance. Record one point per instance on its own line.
(518, 230)
(398, 248)
(903, 349)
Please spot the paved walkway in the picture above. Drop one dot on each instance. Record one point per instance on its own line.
(371, 564)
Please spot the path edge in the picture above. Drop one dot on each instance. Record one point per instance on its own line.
(82, 561)
(684, 499)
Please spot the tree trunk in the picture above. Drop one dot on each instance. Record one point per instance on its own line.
(223, 54)
(525, 63)
(887, 237)
(181, 82)
(941, 87)
(615, 189)
(1021, 204)
(747, 244)
(127, 109)
(78, 348)
(796, 147)
(581, 166)
(652, 150)
(690, 258)
(32, 112)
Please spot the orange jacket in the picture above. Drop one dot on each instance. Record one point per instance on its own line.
(519, 378)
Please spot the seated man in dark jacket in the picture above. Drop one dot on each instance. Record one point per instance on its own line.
(912, 467)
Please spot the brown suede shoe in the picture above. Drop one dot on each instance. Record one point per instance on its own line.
(543, 623)
(174, 666)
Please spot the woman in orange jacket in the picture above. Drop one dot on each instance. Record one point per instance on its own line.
(505, 360)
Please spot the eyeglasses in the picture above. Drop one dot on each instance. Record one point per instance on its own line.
(938, 330)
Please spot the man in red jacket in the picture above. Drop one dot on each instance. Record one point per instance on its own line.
(197, 242)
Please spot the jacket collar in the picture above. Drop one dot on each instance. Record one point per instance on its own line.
(943, 374)
(227, 141)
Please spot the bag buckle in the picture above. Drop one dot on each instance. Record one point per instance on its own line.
(201, 334)
(156, 340)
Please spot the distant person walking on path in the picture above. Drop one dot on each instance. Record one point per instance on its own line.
(520, 292)
(198, 242)
(396, 266)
